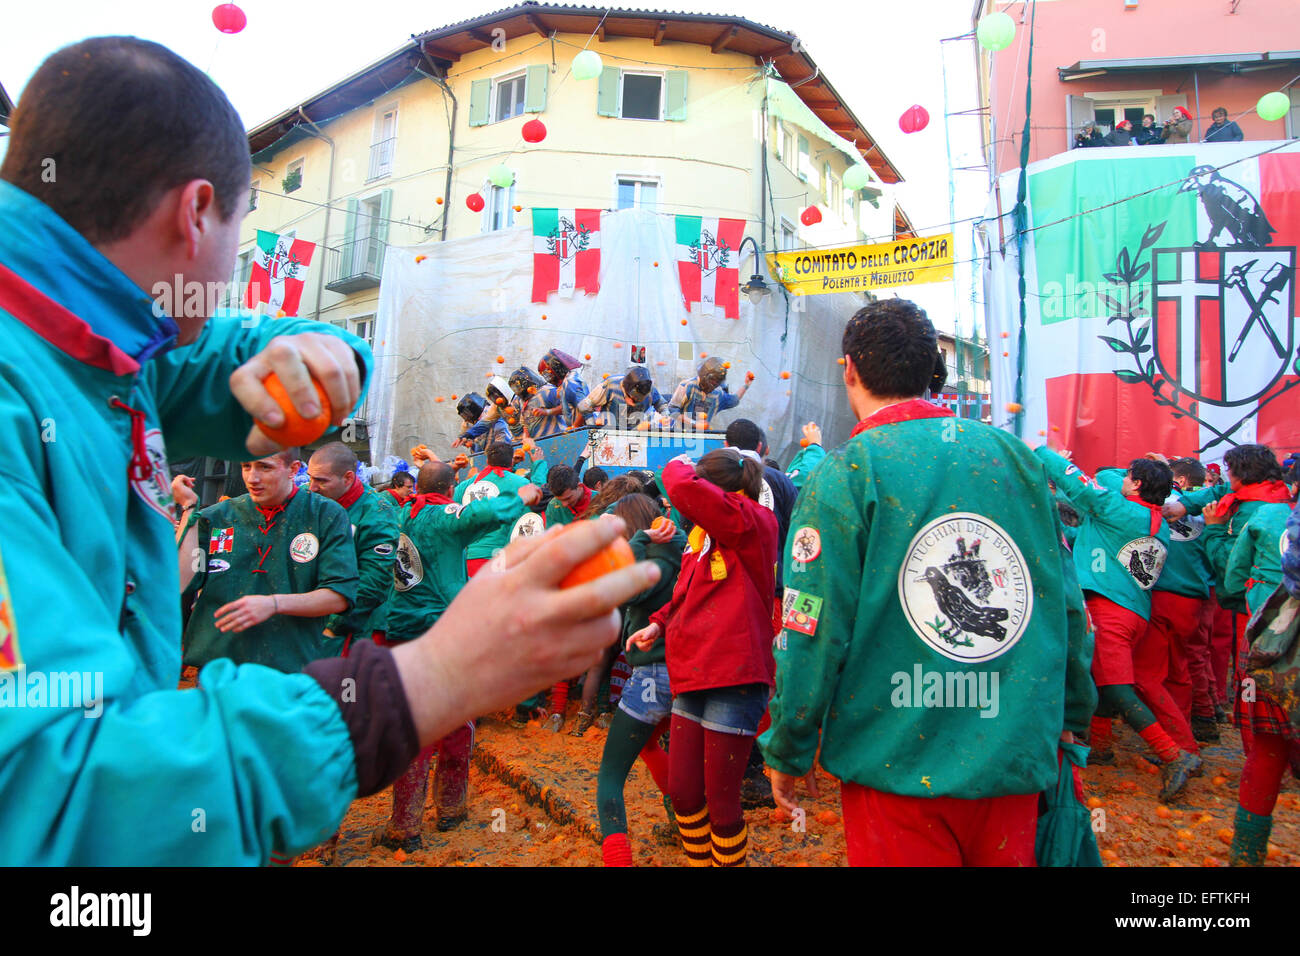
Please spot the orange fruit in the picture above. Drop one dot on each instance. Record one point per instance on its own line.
(658, 523)
(296, 430)
(420, 258)
(828, 817)
(656, 265)
(1219, 781)
(1180, 846)
(840, 360)
(1162, 812)
(704, 355)
(618, 345)
(501, 360)
(1005, 354)
(438, 200)
(1210, 861)
(453, 398)
(615, 555)
(1094, 802)
(1015, 408)
(781, 815)
(726, 365)
(1004, 335)
(543, 318)
(683, 321)
(438, 398)
(1184, 834)
(785, 374)
(1224, 835)
(749, 376)
(399, 855)
(587, 357)
(1109, 854)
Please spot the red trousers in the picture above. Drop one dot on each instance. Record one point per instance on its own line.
(450, 782)
(1118, 631)
(1199, 668)
(1159, 664)
(1221, 651)
(885, 829)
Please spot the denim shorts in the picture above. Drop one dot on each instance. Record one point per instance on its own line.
(646, 695)
(727, 710)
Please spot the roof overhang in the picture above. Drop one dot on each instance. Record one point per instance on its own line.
(6, 106)
(1228, 63)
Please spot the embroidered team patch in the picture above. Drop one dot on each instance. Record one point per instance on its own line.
(216, 565)
(223, 541)
(965, 588)
(408, 569)
(155, 491)
(10, 657)
(478, 491)
(1186, 528)
(384, 549)
(806, 544)
(304, 547)
(1143, 558)
(766, 498)
(529, 524)
(800, 612)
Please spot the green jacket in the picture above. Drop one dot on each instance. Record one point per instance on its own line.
(637, 611)
(374, 522)
(486, 483)
(306, 546)
(803, 464)
(430, 567)
(1121, 545)
(1187, 570)
(910, 585)
(1246, 552)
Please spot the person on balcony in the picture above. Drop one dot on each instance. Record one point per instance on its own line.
(1088, 136)
(1222, 130)
(1148, 132)
(1121, 135)
(1178, 127)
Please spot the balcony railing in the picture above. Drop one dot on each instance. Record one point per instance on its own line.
(354, 266)
(381, 159)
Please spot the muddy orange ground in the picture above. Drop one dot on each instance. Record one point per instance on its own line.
(1136, 831)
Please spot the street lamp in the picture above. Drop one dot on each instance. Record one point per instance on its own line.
(755, 288)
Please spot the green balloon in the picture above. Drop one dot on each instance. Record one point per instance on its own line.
(587, 65)
(995, 31)
(855, 177)
(1273, 106)
(501, 175)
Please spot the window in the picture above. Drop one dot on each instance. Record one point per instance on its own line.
(637, 193)
(508, 97)
(805, 162)
(370, 255)
(500, 210)
(789, 238)
(363, 327)
(642, 96)
(252, 194)
(293, 176)
(1293, 116)
(788, 155)
(239, 281)
(382, 144)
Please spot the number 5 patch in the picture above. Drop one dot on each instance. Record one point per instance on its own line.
(802, 611)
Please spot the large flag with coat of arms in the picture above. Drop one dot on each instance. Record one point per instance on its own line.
(1160, 301)
(708, 263)
(279, 270)
(566, 252)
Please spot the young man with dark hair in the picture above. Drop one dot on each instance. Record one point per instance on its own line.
(277, 564)
(569, 497)
(900, 562)
(492, 480)
(332, 472)
(401, 487)
(594, 477)
(1189, 474)
(1119, 553)
(126, 173)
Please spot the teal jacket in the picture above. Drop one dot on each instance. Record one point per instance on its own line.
(374, 522)
(491, 483)
(1247, 553)
(254, 761)
(803, 464)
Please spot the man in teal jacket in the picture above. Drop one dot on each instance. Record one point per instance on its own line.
(934, 645)
(97, 370)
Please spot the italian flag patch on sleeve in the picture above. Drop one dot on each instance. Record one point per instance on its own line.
(10, 658)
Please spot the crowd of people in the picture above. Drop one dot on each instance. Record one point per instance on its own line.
(1176, 129)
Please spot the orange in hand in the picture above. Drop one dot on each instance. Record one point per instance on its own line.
(296, 429)
(658, 523)
(615, 555)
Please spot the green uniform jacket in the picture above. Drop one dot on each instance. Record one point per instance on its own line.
(374, 539)
(306, 546)
(1121, 546)
(914, 562)
(430, 567)
(1246, 553)
(801, 468)
(637, 611)
(491, 485)
(557, 512)
(1187, 570)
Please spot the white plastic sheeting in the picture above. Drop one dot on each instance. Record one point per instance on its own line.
(443, 321)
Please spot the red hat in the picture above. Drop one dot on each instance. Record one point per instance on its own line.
(1179, 110)
(1214, 469)
(1123, 124)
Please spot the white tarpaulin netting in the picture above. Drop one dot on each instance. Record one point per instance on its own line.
(444, 320)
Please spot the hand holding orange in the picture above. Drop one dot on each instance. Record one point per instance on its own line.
(296, 430)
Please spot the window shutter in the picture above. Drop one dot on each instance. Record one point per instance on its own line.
(349, 238)
(675, 95)
(611, 78)
(535, 88)
(480, 98)
(380, 231)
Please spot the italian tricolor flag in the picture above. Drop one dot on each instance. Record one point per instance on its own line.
(566, 252)
(708, 263)
(279, 269)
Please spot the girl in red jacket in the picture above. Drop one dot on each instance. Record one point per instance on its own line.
(718, 632)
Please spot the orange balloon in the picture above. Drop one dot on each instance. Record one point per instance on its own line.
(296, 430)
(615, 555)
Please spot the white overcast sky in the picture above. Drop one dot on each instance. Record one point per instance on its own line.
(881, 57)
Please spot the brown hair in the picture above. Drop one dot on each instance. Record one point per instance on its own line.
(107, 126)
(638, 511)
(731, 471)
(611, 491)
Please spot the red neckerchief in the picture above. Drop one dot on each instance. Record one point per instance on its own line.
(1154, 509)
(902, 412)
(1274, 491)
(419, 501)
(352, 494)
(400, 498)
(494, 469)
(586, 502)
(267, 524)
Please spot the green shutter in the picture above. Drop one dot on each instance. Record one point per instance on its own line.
(607, 92)
(480, 98)
(675, 96)
(380, 229)
(349, 238)
(535, 88)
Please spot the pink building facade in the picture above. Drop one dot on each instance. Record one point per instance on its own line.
(1102, 61)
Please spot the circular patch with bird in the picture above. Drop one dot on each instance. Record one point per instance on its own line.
(965, 588)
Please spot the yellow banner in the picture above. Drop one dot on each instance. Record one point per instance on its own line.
(859, 268)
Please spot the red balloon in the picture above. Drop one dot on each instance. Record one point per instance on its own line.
(475, 202)
(810, 216)
(228, 18)
(534, 131)
(914, 119)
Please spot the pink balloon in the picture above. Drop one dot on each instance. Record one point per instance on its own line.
(228, 18)
(914, 119)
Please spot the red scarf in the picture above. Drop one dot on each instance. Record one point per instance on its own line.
(493, 469)
(352, 494)
(902, 412)
(419, 501)
(1272, 491)
(268, 514)
(1154, 509)
(585, 503)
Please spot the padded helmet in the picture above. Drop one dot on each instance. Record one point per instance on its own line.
(522, 380)
(711, 373)
(636, 383)
(471, 406)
